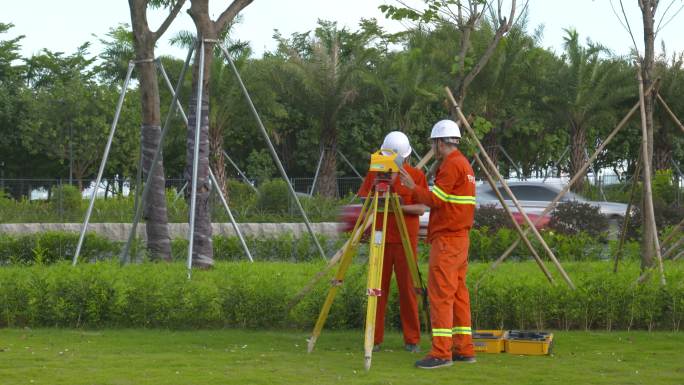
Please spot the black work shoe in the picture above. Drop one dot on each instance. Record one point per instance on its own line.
(431, 362)
(413, 348)
(467, 359)
(376, 348)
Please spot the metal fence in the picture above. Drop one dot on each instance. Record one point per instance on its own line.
(41, 189)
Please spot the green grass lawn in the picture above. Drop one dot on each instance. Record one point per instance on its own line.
(51, 356)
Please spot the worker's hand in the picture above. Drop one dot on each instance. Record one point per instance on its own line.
(406, 179)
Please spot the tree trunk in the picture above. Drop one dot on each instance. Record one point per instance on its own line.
(202, 251)
(218, 160)
(207, 30)
(154, 209)
(663, 157)
(663, 146)
(648, 8)
(577, 154)
(327, 179)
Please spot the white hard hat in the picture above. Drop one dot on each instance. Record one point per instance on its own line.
(398, 142)
(445, 129)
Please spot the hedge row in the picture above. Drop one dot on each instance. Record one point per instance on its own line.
(271, 204)
(244, 295)
(485, 245)
(54, 246)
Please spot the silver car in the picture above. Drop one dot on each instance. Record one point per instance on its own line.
(535, 196)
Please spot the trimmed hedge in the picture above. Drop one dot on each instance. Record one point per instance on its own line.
(54, 246)
(485, 245)
(244, 295)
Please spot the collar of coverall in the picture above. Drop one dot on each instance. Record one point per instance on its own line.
(454, 154)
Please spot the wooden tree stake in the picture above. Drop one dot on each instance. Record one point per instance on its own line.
(493, 168)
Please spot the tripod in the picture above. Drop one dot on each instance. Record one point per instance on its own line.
(383, 200)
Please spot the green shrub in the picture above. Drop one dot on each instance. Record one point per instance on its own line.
(665, 215)
(578, 247)
(66, 201)
(492, 218)
(273, 197)
(319, 208)
(50, 247)
(663, 189)
(246, 295)
(243, 203)
(284, 248)
(240, 195)
(572, 217)
(260, 165)
(54, 246)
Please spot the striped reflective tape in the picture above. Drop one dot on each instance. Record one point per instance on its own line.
(456, 199)
(462, 330)
(441, 332)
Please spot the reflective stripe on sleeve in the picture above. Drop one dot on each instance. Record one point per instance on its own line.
(456, 199)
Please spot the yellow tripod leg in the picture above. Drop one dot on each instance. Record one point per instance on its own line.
(353, 241)
(376, 256)
(345, 261)
(411, 261)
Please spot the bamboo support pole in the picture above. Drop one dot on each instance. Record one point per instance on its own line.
(646, 160)
(515, 224)
(625, 223)
(581, 171)
(493, 168)
(669, 111)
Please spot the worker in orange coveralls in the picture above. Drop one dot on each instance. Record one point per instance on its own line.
(452, 210)
(394, 256)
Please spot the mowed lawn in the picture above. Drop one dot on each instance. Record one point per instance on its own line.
(52, 356)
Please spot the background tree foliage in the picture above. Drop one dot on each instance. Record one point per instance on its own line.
(339, 89)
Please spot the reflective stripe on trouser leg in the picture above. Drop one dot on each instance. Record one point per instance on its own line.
(461, 330)
(441, 333)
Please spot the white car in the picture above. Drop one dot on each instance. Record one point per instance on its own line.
(534, 197)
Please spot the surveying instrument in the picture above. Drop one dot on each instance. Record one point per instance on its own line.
(381, 200)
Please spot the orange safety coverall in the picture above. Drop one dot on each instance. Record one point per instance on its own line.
(452, 204)
(394, 257)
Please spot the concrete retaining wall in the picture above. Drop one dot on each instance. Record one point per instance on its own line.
(119, 231)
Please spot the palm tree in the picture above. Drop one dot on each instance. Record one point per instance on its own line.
(589, 87)
(327, 65)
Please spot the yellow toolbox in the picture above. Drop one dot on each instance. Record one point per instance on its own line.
(528, 342)
(489, 341)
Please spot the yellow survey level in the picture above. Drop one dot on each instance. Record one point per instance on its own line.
(384, 161)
